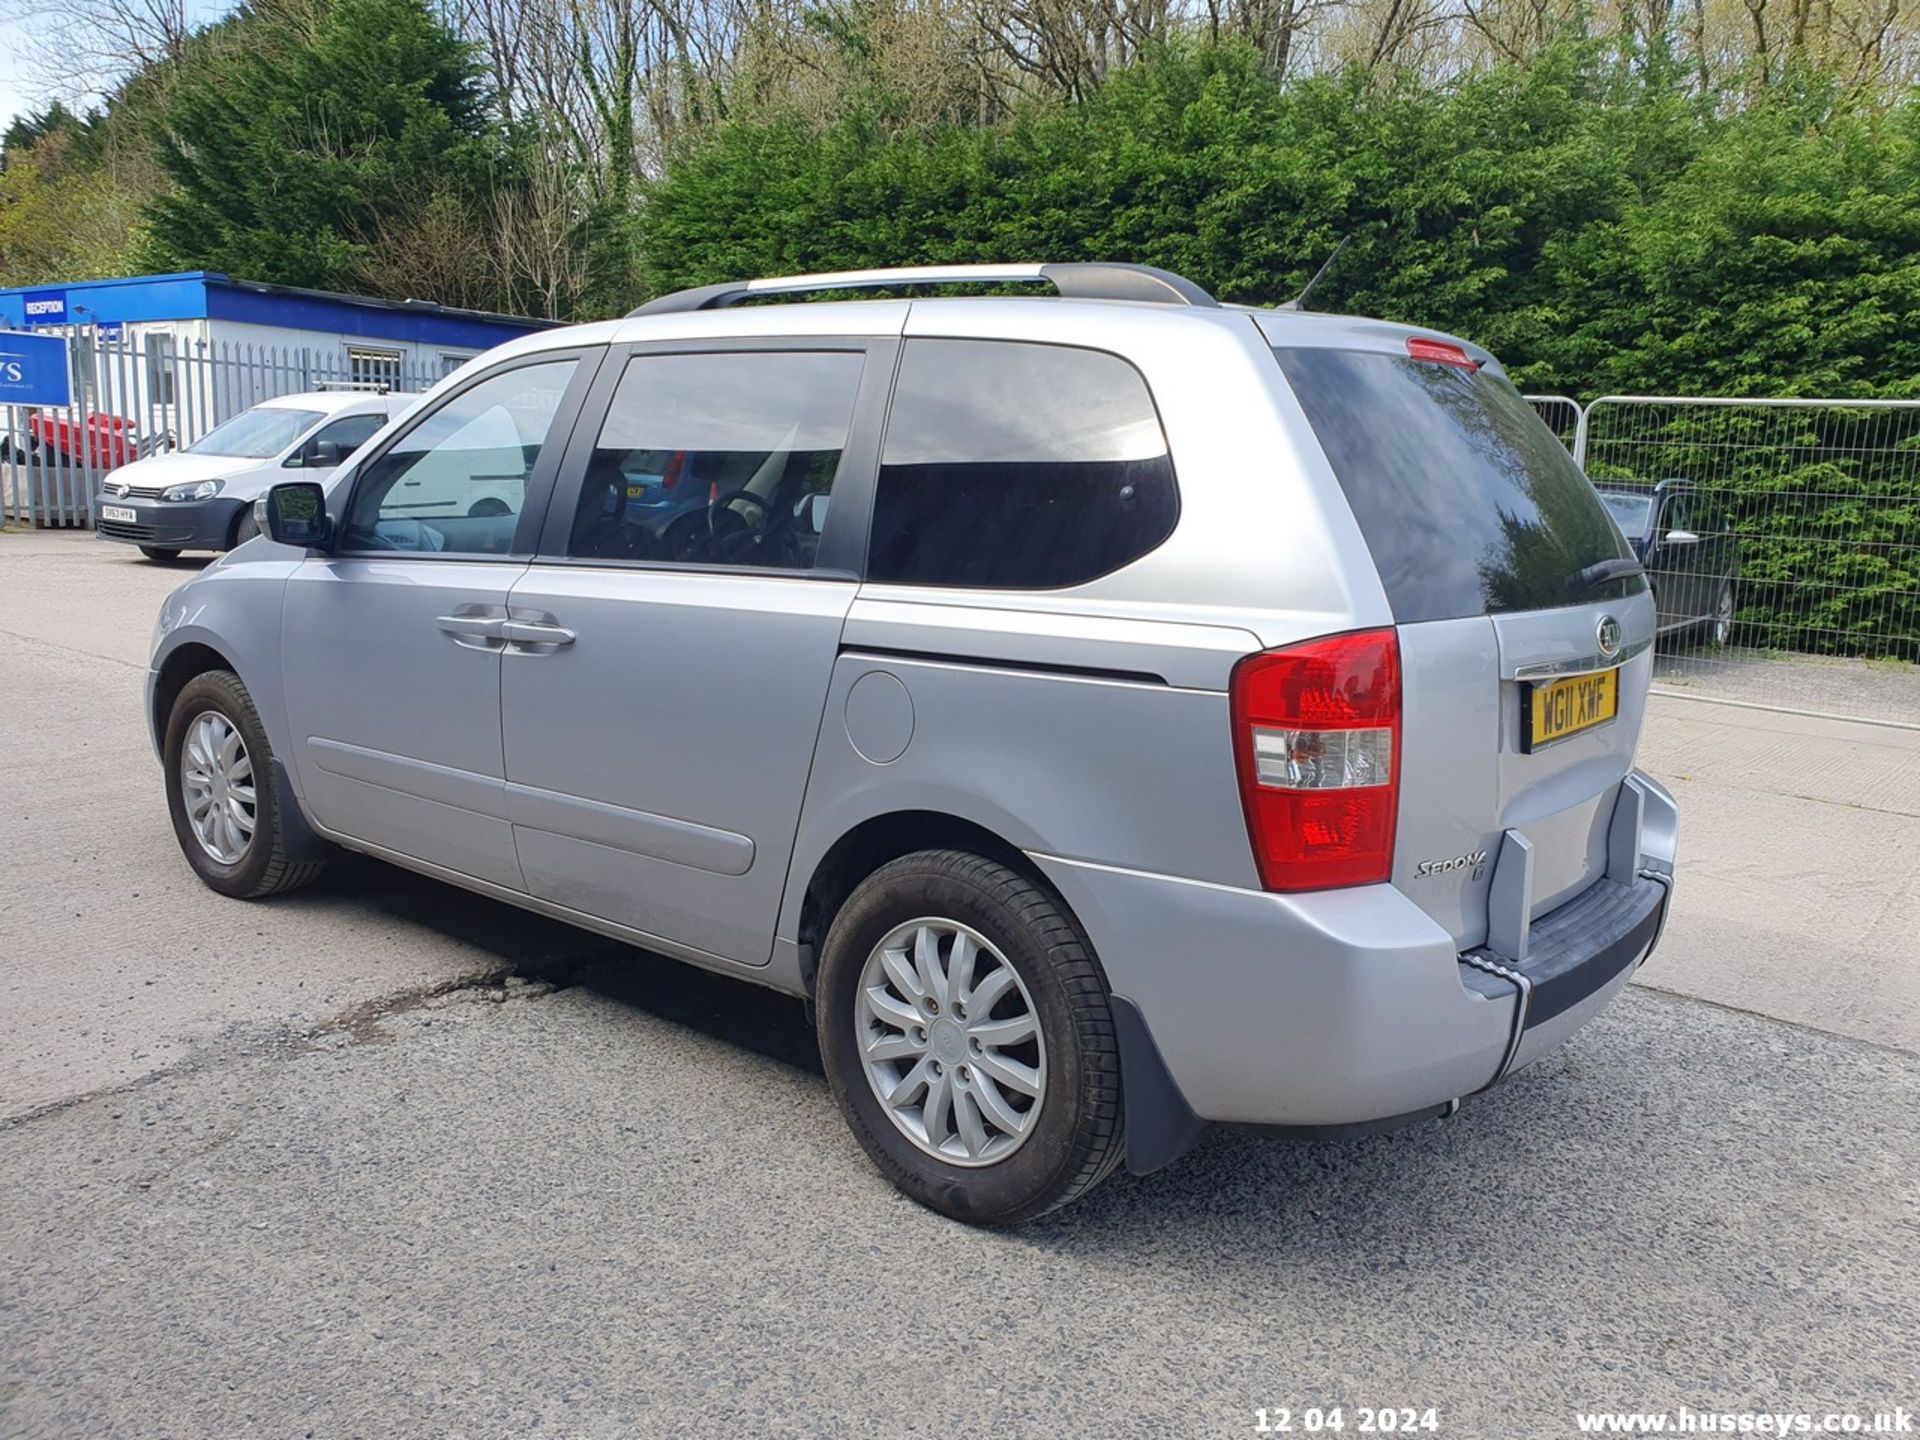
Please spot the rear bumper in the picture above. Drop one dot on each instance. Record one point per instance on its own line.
(1349, 1006)
(170, 524)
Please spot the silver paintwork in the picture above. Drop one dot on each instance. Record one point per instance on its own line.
(938, 1011)
(218, 785)
(397, 739)
(1510, 897)
(666, 756)
(656, 767)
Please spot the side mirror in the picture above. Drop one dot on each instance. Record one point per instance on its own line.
(325, 452)
(1681, 537)
(297, 514)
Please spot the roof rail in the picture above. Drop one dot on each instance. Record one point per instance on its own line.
(1073, 281)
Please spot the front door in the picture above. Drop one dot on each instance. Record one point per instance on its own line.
(1675, 562)
(392, 643)
(669, 650)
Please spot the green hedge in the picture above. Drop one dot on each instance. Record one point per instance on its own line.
(1590, 222)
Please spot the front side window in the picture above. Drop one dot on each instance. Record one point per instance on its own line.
(457, 480)
(1018, 466)
(331, 444)
(256, 434)
(1630, 512)
(724, 458)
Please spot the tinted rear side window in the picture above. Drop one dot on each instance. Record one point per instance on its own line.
(1018, 466)
(1467, 501)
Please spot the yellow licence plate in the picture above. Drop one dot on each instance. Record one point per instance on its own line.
(1566, 707)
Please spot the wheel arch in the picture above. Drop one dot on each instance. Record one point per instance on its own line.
(184, 661)
(173, 672)
(878, 839)
(1160, 1125)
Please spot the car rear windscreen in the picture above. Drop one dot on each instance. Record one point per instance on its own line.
(1467, 501)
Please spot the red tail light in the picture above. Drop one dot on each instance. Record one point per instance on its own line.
(1316, 734)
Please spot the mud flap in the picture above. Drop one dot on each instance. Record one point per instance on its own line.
(296, 835)
(1161, 1127)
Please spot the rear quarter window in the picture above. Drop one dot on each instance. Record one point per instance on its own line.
(1469, 504)
(1009, 465)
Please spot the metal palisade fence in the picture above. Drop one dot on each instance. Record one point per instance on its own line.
(134, 398)
(1782, 538)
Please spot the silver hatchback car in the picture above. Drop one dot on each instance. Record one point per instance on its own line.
(1113, 711)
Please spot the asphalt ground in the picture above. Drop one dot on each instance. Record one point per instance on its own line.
(384, 1159)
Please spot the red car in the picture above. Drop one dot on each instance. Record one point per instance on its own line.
(104, 442)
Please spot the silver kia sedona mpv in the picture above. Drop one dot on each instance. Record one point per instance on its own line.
(1112, 710)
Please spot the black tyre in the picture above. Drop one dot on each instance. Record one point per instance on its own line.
(219, 768)
(1718, 631)
(245, 527)
(481, 509)
(158, 552)
(993, 1098)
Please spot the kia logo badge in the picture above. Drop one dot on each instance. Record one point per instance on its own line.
(1609, 636)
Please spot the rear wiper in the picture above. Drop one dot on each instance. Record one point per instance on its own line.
(1601, 571)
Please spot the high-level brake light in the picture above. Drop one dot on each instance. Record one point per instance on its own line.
(1316, 733)
(1440, 352)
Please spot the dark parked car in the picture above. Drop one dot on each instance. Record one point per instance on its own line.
(1685, 539)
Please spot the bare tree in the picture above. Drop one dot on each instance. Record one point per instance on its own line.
(89, 46)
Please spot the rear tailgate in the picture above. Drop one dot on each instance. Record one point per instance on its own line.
(1524, 687)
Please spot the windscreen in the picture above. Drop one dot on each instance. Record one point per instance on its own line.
(257, 434)
(1468, 503)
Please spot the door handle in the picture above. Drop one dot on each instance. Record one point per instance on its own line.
(486, 626)
(535, 638)
(475, 632)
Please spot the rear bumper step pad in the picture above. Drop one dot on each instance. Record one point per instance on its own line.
(1573, 953)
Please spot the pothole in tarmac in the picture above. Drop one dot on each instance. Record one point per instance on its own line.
(367, 1023)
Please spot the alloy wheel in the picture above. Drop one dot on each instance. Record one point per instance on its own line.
(950, 1042)
(217, 783)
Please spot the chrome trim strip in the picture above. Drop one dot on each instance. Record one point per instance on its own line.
(1585, 665)
(1525, 1003)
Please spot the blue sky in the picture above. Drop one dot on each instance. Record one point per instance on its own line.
(22, 89)
(16, 95)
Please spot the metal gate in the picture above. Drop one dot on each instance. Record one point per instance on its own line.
(1562, 414)
(1783, 544)
(131, 398)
